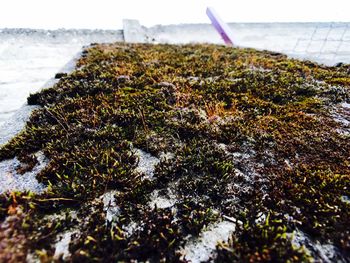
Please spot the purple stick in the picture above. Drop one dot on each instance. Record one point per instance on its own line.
(220, 26)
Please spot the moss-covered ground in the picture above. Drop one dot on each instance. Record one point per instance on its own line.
(248, 136)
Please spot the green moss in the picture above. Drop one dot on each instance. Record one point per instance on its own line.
(339, 81)
(261, 242)
(248, 132)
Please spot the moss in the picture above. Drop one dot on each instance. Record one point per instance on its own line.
(261, 242)
(339, 81)
(249, 132)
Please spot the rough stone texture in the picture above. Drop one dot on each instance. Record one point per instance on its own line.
(11, 180)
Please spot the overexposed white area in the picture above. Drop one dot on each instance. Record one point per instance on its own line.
(26, 68)
(108, 14)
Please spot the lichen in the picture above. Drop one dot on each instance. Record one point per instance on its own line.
(149, 147)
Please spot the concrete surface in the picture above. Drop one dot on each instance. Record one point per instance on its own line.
(29, 58)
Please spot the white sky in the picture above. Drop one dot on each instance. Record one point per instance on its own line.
(108, 14)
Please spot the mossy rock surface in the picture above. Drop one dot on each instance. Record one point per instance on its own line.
(150, 146)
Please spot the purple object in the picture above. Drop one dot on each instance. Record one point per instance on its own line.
(220, 26)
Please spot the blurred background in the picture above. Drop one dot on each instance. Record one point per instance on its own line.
(108, 14)
(38, 37)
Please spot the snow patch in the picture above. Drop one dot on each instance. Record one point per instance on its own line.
(147, 163)
(12, 181)
(202, 248)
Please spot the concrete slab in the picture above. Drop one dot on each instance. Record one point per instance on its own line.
(29, 57)
(16, 122)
